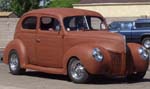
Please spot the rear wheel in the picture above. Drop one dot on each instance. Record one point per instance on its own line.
(136, 76)
(77, 72)
(14, 63)
(146, 42)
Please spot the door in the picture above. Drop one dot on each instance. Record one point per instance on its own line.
(27, 35)
(49, 43)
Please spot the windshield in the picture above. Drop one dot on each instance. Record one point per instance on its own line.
(125, 25)
(87, 23)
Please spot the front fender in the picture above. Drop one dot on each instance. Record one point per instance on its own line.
(135, 61)
(84, 54)
(19, 47)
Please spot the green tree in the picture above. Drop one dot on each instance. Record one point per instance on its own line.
(62, 3)
(22, 6)
(5, 5)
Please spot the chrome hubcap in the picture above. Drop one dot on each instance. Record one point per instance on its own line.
(147, 43)
(13, 62)
(77, 70)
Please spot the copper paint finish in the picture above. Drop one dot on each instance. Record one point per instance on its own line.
(50, 51)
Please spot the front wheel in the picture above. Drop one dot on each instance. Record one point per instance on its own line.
(136, 76)
(14, 64)
(77, 72)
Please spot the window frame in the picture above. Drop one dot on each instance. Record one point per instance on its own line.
(47, 16)
(27, 29)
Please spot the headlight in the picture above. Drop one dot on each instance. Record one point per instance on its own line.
(143, 53)
(97, 54)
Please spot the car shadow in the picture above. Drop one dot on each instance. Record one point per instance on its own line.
(106, 80)
(94, 80)
(45, 75)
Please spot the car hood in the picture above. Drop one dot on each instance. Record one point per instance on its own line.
(108, 40)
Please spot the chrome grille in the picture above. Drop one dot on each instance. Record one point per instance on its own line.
(116, 62)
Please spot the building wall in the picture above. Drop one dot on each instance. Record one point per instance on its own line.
(121, 11)
(7, 29)
(111, 19)
(118, 10)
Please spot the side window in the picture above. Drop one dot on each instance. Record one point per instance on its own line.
(75, 23)
(49, 24)
(29, 23)
(126, 26)
(70, 24)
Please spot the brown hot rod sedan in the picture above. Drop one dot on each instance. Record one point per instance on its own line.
(73, 42)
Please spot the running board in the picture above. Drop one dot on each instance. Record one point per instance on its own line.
(46, 69)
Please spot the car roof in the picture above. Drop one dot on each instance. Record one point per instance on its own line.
(122, 22)
(63, 12)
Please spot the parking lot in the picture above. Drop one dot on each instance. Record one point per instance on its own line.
(38, 80)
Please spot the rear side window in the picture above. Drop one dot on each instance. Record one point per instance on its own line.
(29, 23)
(142, 25)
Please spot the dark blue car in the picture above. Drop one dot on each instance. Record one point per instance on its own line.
(137, 31)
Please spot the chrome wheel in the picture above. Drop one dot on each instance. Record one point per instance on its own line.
(77, 70)
(14, 62)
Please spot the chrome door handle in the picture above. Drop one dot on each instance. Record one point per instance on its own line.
(38, 40)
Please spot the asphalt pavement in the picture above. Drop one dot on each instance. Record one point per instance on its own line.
(39, 80)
